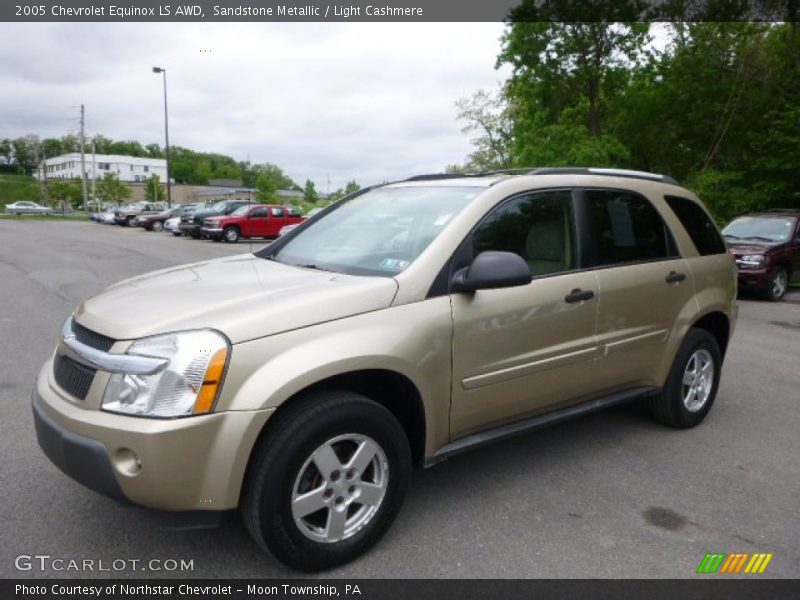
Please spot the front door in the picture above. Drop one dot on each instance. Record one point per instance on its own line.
(521, 350)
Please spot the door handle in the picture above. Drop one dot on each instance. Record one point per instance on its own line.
(578, 295)
(674, 277)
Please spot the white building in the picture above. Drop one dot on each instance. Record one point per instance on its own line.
(128, 168)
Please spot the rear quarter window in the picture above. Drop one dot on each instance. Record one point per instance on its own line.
(698, 225)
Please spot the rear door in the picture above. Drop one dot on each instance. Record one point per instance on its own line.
(524, 349)
(643, 282)
(277, 220)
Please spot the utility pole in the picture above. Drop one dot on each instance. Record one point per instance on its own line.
(94, 176)
(83, 161)
(163, 72)
(328, 188)
(43, 178)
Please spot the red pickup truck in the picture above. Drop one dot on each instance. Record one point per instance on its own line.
(249, 221)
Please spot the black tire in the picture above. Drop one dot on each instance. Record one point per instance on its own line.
(158, 226)
(669, 406)
(282, 456)
(128, 221)
(195, 236)
(231, 234)
(177, 233)
(778, 284)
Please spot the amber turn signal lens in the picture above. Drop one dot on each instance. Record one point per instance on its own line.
(213, 377)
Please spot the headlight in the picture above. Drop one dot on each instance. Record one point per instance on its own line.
(752, 260)
(188, 385)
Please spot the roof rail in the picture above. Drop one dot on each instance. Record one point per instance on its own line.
(551, 171)
(601, 171)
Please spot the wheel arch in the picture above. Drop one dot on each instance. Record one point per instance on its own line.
(717, 324)
(391, 389)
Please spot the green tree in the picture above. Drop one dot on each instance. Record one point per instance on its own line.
(567, 75)
(153, 190)
(111, 189)
(351, 187)
(6, 151)
(64, 193)
(266, 190)
(310, 192)
(487, 115)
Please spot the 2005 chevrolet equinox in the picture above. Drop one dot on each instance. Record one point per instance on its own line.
(403, 324)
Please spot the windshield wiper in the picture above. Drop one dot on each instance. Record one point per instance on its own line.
(759, 237)
(728, 235)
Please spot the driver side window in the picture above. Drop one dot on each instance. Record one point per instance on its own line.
(539, 227)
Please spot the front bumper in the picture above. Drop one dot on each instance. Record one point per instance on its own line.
(211, 232)
(189, 228)
(754, 278)
(183, 464)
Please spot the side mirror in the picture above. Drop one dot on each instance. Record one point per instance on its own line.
(492, 270)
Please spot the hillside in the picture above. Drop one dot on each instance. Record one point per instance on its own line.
(17, 187)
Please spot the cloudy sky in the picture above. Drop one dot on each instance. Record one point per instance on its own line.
(369, 101)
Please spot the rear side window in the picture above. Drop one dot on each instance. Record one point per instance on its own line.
(698, 225)
(625, 228)
(277, 212)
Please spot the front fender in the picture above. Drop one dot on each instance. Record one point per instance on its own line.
(413, 340)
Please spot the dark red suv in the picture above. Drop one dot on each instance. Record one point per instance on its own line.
(767, 250)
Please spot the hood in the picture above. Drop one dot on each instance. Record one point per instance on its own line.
(243, 296)
(751, 247)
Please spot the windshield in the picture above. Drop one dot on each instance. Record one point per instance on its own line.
(378, 233)
(218, 205)
(764, 229)
(242, 210)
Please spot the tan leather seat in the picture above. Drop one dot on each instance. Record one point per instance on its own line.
(547, 247)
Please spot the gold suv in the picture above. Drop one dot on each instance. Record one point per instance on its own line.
(404, 324)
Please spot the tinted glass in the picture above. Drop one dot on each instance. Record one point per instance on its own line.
(698, 225)
(625, 228)
(539, 227)
(380, 232)
(258, 212)
(278, 212)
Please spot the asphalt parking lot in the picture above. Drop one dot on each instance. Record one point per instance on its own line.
(608, 495)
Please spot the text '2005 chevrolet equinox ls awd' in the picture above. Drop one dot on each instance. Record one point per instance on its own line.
(403, 324)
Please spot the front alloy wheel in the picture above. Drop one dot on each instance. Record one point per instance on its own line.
(340, 488)
(778, 283)
(326, 480)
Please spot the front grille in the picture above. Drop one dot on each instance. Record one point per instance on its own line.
(98, 341)
(72, 377)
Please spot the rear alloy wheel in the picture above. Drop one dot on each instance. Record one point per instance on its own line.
(158, 226)
(327, 480)
(692, 382)
(778, 282)
(231, 234)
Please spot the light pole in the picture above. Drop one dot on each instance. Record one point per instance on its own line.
(166, 129)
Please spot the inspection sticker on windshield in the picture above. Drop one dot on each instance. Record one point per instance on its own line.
(393, 264)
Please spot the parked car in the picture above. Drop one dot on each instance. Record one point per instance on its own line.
(767, 250)
(125, 215)
(287, 228)
(108, 217)
(410, 322)
(26, 207)
(192, 223)
(249, 221)
(173, 225)
(156, 222)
